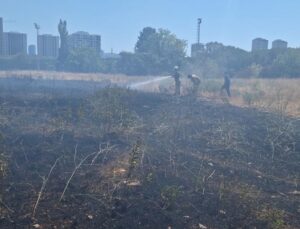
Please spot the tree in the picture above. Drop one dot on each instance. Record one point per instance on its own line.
(285, 64)
(145, 40)
(171, 50)
(131, 64)
(216, 58)
(83, 60)
(63, 49)
(156, 52)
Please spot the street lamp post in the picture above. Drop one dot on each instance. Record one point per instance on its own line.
(198, 30)
(37, 27)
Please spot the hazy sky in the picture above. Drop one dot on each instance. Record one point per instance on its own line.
(232, 22)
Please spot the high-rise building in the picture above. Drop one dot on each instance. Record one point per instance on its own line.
(279, 44)
(85, 40)
(14, 43)
(1, 36)
(48, 45)
(259, 44)
(31, 50)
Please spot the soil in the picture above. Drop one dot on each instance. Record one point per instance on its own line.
(144, 160)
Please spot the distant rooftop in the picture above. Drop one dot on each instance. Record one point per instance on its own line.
(279, 40)
(259, 38)
(81, 33)
(47, 35)
(14, 32)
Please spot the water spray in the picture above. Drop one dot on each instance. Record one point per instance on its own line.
(143, 83)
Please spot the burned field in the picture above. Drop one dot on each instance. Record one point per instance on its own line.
(116, 158)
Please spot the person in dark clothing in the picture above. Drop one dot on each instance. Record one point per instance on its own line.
(196, 83)
(176, 77)
(226, 84)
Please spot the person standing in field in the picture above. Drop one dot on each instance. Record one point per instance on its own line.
(226, 84)
(196, 83)
(176, 77)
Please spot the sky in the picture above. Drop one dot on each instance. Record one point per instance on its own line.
(119, 22)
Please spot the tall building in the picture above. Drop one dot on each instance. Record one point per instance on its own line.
(85, 40)
(14, 43)
(48, 45)
(31, 50)
(259, 44)
(1, 36)
(279, 44)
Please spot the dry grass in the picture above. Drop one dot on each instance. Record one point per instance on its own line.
(277, 95)
(173, 162)
(52, 75)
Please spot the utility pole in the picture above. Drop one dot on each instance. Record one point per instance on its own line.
(37, 27)
(198, 30)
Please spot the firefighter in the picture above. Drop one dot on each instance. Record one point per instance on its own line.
(226, 84)
(196, 83)
(176, 77)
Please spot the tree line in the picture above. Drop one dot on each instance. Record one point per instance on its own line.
(157, 51)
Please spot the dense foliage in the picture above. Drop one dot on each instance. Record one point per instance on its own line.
(24, 62)
(156, 52)
(83, 60)
(215, 59)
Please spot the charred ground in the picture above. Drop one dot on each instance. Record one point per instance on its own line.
(118, 158)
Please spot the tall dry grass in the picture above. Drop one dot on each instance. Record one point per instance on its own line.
(276, 95)
(53, 75)
(279, 95)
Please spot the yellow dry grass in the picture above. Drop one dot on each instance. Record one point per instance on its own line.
(276, 95)
(279, 95)
(53, 75)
